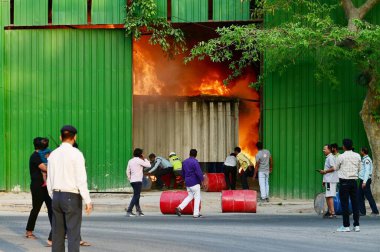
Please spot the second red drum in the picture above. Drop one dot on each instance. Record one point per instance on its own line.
(214, 182)
(239, 201)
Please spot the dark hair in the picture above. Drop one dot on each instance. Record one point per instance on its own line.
(347, 143)
(233, 154)
(193, 153)
(237, 149)
(334, 146)
(329, 146)
(67, 135)
(365, 150)
(44, 143)
(152, 155)
(37, 143)
(259, 145)
(75, 145)
(137, 152)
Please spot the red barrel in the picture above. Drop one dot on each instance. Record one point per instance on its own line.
(242, 201)
(214, 182)
(169, 200)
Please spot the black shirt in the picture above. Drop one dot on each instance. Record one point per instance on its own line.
(35, 172)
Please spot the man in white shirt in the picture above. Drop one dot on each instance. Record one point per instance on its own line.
(67, 186)
(348, 166)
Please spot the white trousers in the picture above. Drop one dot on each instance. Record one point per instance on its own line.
(264, 184)
(194, 192)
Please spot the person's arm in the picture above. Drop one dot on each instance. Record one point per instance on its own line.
(198, 171)
(332, 165)
(42, 167)
(156, 165)
(128, 171)
(367, 169)
(81, 179)
(144, 163)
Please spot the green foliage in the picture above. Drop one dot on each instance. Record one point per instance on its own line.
(310, 31)
(142, 18)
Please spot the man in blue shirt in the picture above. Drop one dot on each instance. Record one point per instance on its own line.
(365, 180)
(192, 173)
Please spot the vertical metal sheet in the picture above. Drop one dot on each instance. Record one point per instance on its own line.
(230, 10)
(4, 20)
(69, 12)
(163, 124)
(30, 12)
(162, 8)
(300, 116)
(108, 12)
(79, 77)
(186, 11)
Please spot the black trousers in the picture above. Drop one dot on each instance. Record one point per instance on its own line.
(230, 171)
(366, 192)
(135, 201)
(39, 196)
(244, 178)
(67, 209)
(347, 190)
(159, 173)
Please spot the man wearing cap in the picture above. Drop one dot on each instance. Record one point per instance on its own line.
(67, 185)
(177, 167)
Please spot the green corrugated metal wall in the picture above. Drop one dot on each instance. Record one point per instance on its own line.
(300, 116)
(79, 77)
(230, 10)
(162, 6)
(30, 12)
(4, 20)
(189, 11)
(66, 12)
(108, 12)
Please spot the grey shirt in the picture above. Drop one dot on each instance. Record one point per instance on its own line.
(262, 157)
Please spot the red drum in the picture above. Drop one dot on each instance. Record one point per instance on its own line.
(242, 201)
(214, 182)
(169, 200)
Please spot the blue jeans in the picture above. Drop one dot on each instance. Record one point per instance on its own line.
(366, 192)
(135, 201)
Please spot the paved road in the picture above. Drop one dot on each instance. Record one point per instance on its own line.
(218, 232)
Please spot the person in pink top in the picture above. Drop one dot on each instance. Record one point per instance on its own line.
(135, 175)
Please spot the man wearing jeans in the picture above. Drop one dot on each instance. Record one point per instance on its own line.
(365, 180)
(264, 166)
(192, 173)
(348, 166)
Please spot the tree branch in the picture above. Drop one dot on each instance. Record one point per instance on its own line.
(348, 7)
(366, 7)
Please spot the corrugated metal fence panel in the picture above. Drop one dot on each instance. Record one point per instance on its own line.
(108, 12)
(79, 77)
(164, 125)
(300, 116)
(230, 10)
(4, 20)
(189, 11)
(68, 12)
(162, 6)
(31, 12)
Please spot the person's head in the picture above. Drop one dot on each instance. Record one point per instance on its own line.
(347, 144)
(327, 149)
(152, 157)
(364, 151)
(68, 134)
(193, 153)
(334, 148)
(44, 143)
(172, 154)
(259, 145)
(37, 143)
(233, 154)
(237, 150)
(137, 152)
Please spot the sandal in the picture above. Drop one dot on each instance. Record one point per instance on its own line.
(30, 236)
(84, 244)
(49, 243)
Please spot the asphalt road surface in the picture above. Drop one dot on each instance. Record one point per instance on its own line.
(219, 232)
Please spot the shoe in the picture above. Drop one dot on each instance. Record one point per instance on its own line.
(357, 229)
(374, 214)
(362, 214)
(343, 229)
(140, 214)
(198, 216)
(332, 216)
(178, 211)
(267, 200)
(326, 215)
(130, 214)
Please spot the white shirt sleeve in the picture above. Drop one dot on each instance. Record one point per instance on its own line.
(81, 178)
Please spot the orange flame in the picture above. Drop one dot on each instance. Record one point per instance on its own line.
(156, 75)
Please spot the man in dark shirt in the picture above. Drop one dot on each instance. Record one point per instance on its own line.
(39, 193)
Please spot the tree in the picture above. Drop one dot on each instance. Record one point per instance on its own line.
(314, 32)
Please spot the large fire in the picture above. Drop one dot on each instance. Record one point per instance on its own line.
(156, 75)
